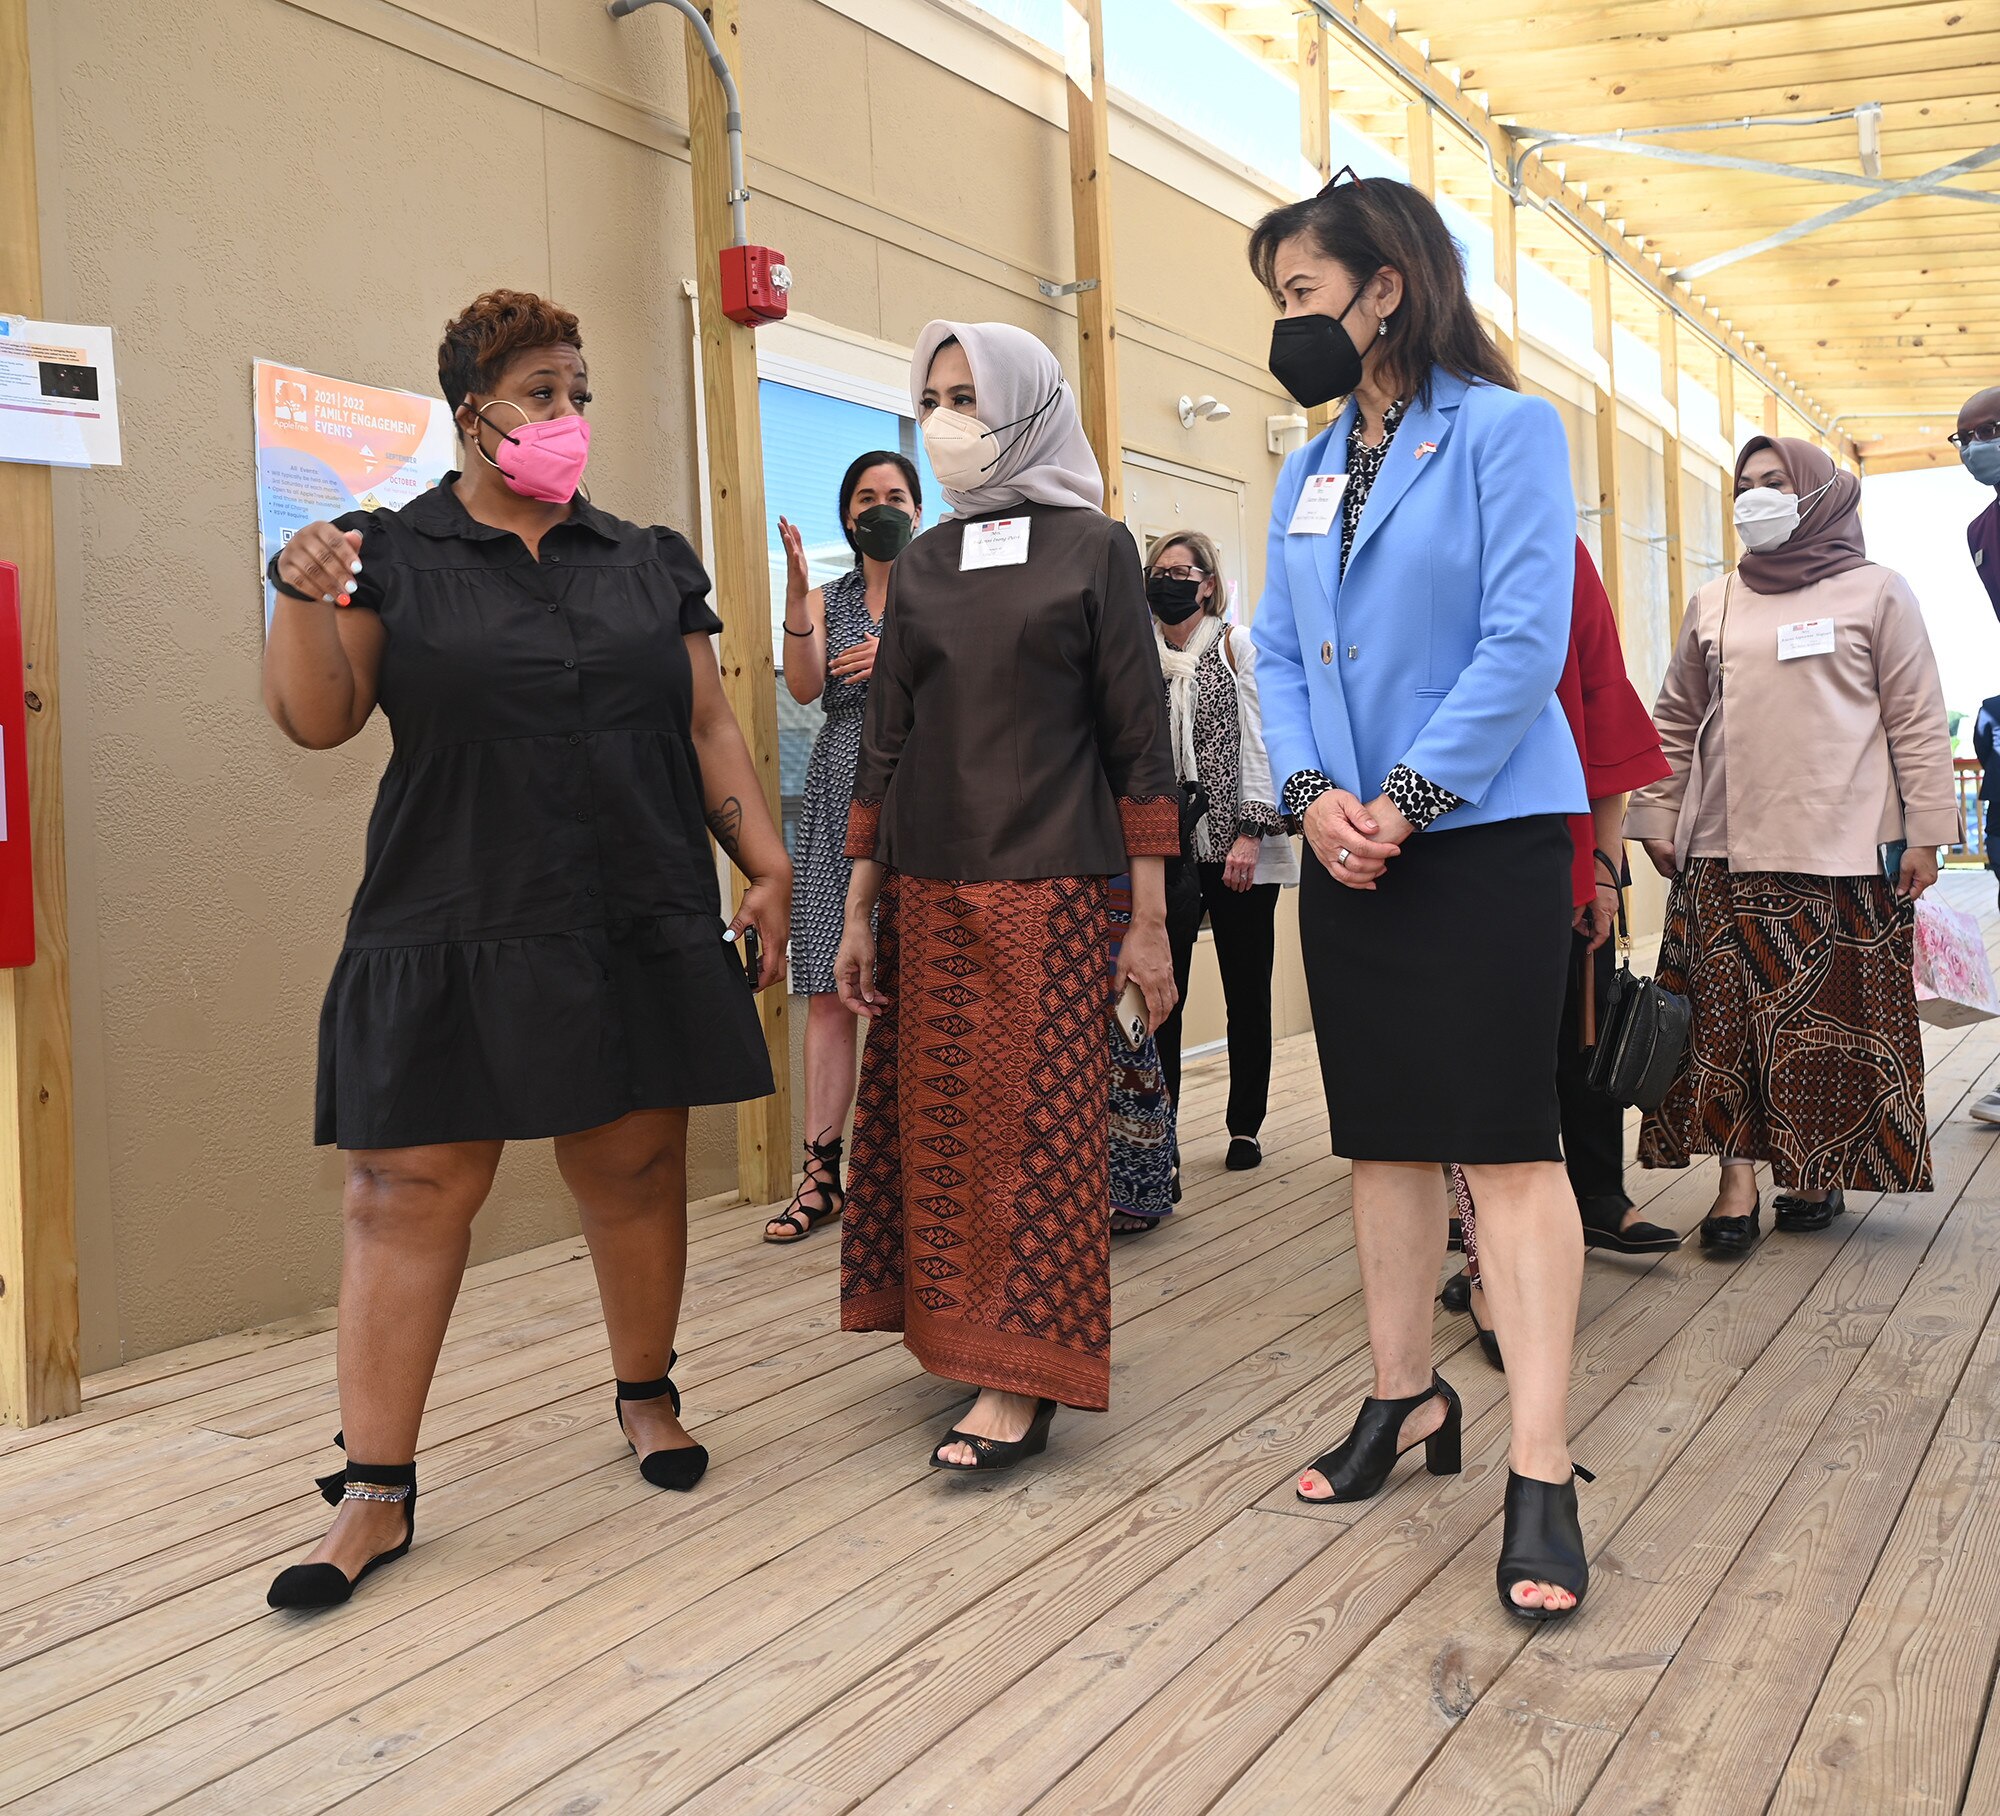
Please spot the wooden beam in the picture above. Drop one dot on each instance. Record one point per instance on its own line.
(38, 1305)
(1771, 413)
(1423, 148)
(1507, 273)
(1725, 397)
(1315, 97)
(1090, 221)
(1610, 517)
(738, 561)
(1676, 526)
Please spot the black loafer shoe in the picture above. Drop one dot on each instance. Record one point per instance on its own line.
(1456, 1295)
(1245, 1153)
(1791, 1212)
(1730, 1236)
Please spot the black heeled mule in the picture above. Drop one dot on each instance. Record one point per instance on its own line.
(327, 1585)
(1542, 1542)
(998, 1453)
(1357, 1467)
(679, 1469)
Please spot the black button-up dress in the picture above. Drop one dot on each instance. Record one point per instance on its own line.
(536, 946)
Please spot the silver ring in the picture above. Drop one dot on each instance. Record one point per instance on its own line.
(1341, 856)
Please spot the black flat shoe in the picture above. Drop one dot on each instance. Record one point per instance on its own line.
(1605, 1228)
(327, 1585)
(1489, 1343)
(679, 1469)
(998, 1453)
(1246, 1153)
(1360, 1463)
(1791, 1212)
(1542, 1542)
(1456, 1294)
(1730, 1236)
(1454, 1236)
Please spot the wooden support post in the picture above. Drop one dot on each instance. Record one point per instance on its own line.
(1610, 519)
(1725, 397)
(1506, 276)
(737, 561)
(1670, 388)
(1090, 219)
(1315, 96)
(38, 1308)
(1422, 143)
(1771, 413)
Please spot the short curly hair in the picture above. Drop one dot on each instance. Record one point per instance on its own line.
(490, 331)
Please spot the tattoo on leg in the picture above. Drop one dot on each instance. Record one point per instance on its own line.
(726, 821)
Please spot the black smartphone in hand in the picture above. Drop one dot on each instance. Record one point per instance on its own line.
(752, 952)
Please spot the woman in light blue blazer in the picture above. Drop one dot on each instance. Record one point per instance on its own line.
(1412, 629)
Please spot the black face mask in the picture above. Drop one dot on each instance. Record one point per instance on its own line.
(882, 532)
(1312, 356)
(1173, 601)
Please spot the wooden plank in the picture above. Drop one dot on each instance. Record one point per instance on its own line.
(1725, 396)
(1604, 415)
(742, 574)
(1090, 222)
(1670, 389)
(1507, 273)
(1422, 140)
(1898, 1717)
(1315, 96)
(1771, 413)
(39, 1370)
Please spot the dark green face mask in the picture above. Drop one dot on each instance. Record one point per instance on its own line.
(882, 532)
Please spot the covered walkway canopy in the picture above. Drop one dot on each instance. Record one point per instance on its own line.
(1810, 185)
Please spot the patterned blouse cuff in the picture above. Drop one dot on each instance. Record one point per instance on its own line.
(864, 822)
(1302, 788)
(1417, 799)
(1152, 827)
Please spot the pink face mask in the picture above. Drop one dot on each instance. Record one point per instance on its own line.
(543, 460)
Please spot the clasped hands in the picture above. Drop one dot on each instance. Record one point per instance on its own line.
(1354, 842)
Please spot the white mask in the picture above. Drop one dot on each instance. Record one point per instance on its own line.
(961, 448)
(1767, 518)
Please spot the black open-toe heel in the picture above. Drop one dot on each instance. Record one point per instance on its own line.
(676, 1469)
(327, 1585)
(801, 1218)
(997, 1453)
(1357, 1467)
(1542, 1542)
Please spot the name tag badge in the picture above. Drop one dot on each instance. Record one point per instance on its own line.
(1318, 509)
(1809, 637)
(1003, 542)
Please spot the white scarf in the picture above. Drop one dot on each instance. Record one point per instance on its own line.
(1180, 667)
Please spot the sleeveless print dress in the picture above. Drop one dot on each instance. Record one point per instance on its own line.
(820, 865)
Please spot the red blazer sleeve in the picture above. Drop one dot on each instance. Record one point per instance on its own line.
(1615, 735)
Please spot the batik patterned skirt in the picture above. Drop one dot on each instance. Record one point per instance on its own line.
(1142, 1109)
(1806, 1051)
(976, 1221)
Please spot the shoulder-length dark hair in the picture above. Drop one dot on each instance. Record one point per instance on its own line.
(1375, 224)
(882, 457)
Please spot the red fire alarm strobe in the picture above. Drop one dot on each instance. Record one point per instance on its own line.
(17, 880)
(756, 285)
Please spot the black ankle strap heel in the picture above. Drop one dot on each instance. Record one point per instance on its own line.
(327, 1585)
(1542, 1542)
(678, 1469)
(1357, 1467)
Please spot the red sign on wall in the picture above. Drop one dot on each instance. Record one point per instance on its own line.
(17, 879)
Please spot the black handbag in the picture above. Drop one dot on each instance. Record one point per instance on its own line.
(1642, 1033)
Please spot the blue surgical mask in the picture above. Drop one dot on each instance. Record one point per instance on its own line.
(1982, 461)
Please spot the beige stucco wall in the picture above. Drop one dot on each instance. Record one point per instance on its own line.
(324, 182)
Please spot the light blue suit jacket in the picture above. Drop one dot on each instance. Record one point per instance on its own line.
(1442, 646)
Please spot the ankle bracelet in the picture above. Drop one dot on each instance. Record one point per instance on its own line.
(365, 1491)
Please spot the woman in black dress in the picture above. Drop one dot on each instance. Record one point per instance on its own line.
(537, 948)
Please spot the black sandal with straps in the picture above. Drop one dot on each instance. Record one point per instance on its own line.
(327, 1585)
(678, 1469)
(801, 1218)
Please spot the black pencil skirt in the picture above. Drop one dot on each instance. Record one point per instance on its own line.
(1437, 997)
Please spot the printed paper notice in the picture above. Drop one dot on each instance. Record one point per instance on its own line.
(326, 446)
(58, 394)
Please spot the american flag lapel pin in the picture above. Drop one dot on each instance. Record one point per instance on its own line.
(1426, 447)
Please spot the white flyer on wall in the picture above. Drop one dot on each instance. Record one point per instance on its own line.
(58, 394)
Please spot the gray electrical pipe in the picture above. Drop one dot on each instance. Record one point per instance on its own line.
(732, 119)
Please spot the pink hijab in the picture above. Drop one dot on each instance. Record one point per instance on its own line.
(1828, 539)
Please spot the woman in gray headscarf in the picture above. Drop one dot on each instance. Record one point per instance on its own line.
(1015, 757)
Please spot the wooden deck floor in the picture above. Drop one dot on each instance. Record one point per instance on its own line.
(1796, 1526)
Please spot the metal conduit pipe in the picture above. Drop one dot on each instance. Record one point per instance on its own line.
(732, 119)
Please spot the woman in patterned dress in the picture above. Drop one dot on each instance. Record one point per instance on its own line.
(832, 632)
(1014, 758)
(1796, 838)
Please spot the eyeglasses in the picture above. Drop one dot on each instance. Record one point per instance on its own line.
(1980, 431)
(1181, 573)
